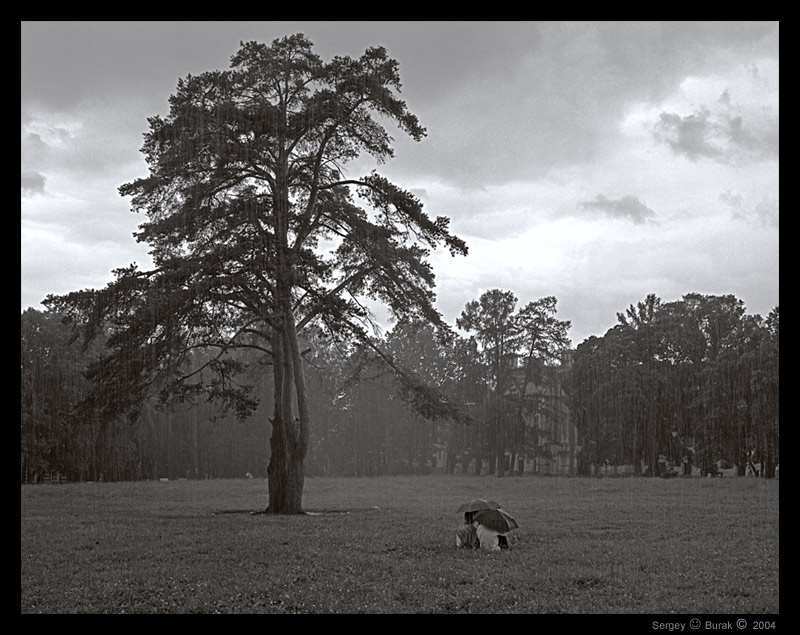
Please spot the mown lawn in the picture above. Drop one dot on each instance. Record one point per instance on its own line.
(386, 545)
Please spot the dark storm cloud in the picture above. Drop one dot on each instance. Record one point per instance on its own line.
(690, 136)
(65, 64)
(719, 135)
(32, 183)
(533, 96)
(554, 92)
(626, 208)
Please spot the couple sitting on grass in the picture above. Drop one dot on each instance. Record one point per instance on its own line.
(474, 534)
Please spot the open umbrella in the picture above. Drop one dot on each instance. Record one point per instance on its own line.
(496, 519)
(479, 504)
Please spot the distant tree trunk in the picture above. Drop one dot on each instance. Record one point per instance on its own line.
(450, 468)
(637, 456)
(500, 440)
(573, 466)
(196, 444)
(478, 435)
(768, 468)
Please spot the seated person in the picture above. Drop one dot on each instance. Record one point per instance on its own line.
(466, 534)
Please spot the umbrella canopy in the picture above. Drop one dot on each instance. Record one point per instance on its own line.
(497, 520)
(479, 504)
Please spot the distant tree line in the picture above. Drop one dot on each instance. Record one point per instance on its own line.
(693, 381)
(689, 383)
(56, 436)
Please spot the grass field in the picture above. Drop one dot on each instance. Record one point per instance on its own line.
(386, 545)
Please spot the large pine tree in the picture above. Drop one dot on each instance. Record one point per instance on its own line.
(256, 233)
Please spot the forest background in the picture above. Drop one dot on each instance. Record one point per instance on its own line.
(696, 380)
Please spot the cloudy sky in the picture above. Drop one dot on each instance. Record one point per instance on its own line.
(594, 161)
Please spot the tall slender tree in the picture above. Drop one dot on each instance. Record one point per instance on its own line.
(532, 334)
(256, 232)
(543, 339)
(491, 318)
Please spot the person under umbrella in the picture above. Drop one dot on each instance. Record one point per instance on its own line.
(466, 533)
(492, 528)
(489, 523)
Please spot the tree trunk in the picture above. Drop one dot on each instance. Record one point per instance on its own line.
(289, 441)
(285, 474)
(477, 445)
(767, 464)
(501, 464)
(196, 444)
(450, 468)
